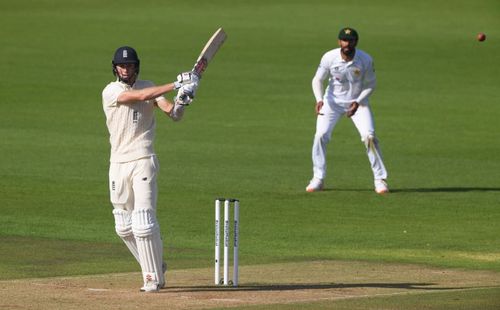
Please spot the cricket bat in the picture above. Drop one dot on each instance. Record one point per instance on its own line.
(209, 51)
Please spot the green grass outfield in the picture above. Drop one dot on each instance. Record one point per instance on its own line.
(249, 133)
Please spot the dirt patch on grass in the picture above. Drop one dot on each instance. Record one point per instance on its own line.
(261, 284)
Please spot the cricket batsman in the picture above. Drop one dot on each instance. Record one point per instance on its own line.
(129, 105)
(351, 81)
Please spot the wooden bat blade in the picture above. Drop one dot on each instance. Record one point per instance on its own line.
(209, 51)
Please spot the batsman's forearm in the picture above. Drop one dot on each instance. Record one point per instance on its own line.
(165, 105)
(155, 91)
(174, 111)
(137, 95)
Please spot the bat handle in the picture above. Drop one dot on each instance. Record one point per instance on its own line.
(200, 66)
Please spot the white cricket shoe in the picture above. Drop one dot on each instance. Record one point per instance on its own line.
(151, 287)
(381, 186)
(315, 185)
(147, 287)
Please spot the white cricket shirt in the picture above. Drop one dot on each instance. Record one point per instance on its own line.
(348, 80)
(131, 126)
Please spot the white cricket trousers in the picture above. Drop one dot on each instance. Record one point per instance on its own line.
(363, 120)
(132, 185)
(133, 190)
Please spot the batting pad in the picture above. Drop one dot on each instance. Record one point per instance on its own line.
(123, 227)
(149, 244)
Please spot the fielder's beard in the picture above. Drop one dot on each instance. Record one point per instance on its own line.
(349, 52)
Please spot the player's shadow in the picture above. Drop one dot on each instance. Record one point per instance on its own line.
(456, 189)
(445, 190)
(294, 287)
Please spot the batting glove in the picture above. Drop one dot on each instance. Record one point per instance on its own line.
(184, 97)
(186, 78)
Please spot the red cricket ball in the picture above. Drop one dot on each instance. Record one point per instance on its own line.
(481, 37)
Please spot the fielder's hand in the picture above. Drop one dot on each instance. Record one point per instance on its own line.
(352, 109)
(318, 107)
(186, 78)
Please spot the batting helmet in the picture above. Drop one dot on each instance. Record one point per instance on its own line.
(125, 55)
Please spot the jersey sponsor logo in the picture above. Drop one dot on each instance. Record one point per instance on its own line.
(135, 117)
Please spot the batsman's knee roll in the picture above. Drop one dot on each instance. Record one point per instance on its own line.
(123, 223)
(144, 222)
